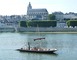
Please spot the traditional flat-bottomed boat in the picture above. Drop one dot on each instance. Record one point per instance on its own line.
(37, 50)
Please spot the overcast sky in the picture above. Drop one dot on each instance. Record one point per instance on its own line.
(19, 7)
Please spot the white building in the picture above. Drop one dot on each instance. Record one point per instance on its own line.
(59, 15)
(69, 16)
(61, 25)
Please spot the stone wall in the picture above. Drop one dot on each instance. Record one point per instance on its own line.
(33, 29)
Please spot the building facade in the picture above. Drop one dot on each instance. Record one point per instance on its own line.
(67, 16)
(37, 14)
(58, 15)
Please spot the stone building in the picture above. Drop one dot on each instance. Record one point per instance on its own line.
(36, 14)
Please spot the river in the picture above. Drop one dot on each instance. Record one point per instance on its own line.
(65, 43)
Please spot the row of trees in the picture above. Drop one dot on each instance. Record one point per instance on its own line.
(40, 23)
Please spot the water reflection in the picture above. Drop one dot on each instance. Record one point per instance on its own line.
(38, 56)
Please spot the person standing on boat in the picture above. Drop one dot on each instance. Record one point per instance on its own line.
(28, 45)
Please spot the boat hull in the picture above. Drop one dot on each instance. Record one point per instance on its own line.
(34, 51)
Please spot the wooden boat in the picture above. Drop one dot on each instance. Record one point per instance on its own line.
(37, 50)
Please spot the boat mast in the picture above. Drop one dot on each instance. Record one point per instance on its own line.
(28, 45)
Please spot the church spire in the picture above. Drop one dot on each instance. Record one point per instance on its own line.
(29, 6)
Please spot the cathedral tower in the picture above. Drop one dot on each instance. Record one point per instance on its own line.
(29, 6)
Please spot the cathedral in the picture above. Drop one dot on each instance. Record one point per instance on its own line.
(36, 14)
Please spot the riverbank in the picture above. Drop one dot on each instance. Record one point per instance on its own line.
(49, 32)
(41, 30)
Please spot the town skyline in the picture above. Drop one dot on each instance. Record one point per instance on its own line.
(19, 7)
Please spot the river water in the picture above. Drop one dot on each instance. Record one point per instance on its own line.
(65, 43)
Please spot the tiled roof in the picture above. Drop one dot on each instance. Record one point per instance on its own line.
(38, 10)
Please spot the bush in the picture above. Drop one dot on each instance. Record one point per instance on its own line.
(72, 23)
(34, 23)
(23, 24)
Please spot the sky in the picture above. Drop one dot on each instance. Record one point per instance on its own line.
(19, 7)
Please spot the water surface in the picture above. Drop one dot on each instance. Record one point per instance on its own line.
(65, 43)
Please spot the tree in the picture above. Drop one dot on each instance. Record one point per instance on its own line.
(23, 24)
(72, 23)
(51, 17)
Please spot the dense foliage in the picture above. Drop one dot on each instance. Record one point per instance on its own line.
(72, 23)
(51, 17)
(40, 23)
(23, 24)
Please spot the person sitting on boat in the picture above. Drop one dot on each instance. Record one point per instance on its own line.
(35, 48)
(21, 48)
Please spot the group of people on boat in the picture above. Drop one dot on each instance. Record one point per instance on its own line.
(36, 48)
